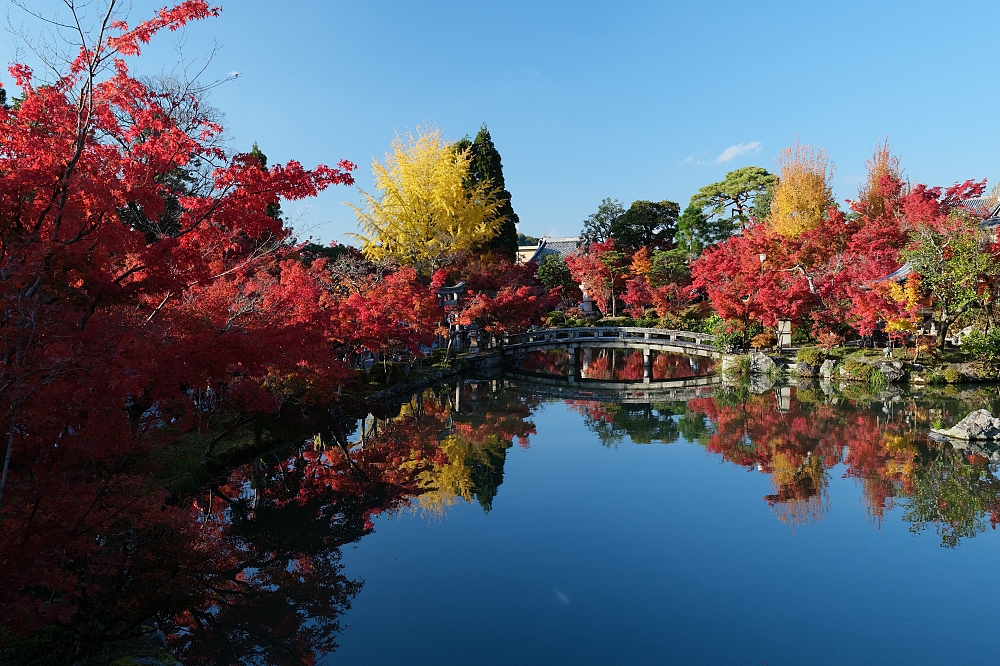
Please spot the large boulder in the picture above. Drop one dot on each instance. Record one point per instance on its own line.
(762, 364)
(826, 370)
(892, 371)
(980, 425)
(806, 370)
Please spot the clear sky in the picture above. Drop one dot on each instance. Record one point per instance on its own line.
(586, 100)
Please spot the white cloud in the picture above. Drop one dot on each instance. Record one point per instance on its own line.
(739, 149)
(688, 159)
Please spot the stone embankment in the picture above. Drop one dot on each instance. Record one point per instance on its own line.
(856, 367)
(484, 362)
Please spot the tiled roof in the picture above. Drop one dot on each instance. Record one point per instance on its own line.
(547, 246)
(980, 206)
(456, 289)
(899, 273)
(561, 246)
(986, 207)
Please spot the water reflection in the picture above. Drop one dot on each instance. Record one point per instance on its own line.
(274, 530)
(621, 365)
(275, 587)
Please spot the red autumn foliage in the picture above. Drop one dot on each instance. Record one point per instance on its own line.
(601, 270)
(500, 296)
(137, 305)
(832, 273)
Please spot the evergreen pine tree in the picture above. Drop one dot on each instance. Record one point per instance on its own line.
(484, 166)
(273, 209)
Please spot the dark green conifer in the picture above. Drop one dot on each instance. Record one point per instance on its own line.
(484, 166)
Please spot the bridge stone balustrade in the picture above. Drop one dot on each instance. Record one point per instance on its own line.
(659, 339)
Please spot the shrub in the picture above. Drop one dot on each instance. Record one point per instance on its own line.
(556, 318)
(984, 348)
(858, 370)
(829, 340)
(764, 340)
(616, 321)
(952, 376)
(927, 344)
(876, 380)
(729, 335)
(740, 367)
(811, 356)
(935, 378)
(672, 321)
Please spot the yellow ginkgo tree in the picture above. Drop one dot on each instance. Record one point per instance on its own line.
(425, 212)
(803, 194)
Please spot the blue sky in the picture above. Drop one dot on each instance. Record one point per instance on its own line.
(587, 100)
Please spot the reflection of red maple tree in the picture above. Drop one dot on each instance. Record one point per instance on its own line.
(795, 448)
(271, 586)
(615, 365)
(799, 445)
(678, 366)
(554, 362)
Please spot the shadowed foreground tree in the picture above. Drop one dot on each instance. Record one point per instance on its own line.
(149, 293)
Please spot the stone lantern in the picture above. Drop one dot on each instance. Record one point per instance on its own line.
(587, 304)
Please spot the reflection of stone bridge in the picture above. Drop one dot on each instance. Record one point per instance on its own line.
(678, 390)
(647, 340)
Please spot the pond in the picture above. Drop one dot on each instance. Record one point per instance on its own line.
(623, 365)
(487, 523)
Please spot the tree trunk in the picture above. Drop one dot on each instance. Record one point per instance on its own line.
(10, 451)
(943, 326)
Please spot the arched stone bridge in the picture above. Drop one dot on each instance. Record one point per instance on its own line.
(647, 339)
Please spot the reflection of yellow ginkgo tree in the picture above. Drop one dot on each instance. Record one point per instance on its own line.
(800, 487)
(470, 472)
(903, 451)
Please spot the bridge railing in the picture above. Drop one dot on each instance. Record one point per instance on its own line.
(631, 334)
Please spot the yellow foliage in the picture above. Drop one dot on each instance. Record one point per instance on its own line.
(803, 194)
(424, 215)
(641, 263)
(900, 326)
(882, 163)
(908, 294)
(443, 485)
(900, 444)
(784, 470)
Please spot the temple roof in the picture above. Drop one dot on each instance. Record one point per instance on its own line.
(547, 246)
(457, 289)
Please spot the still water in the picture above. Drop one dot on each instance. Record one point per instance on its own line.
(485, 523)
(617, 364)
